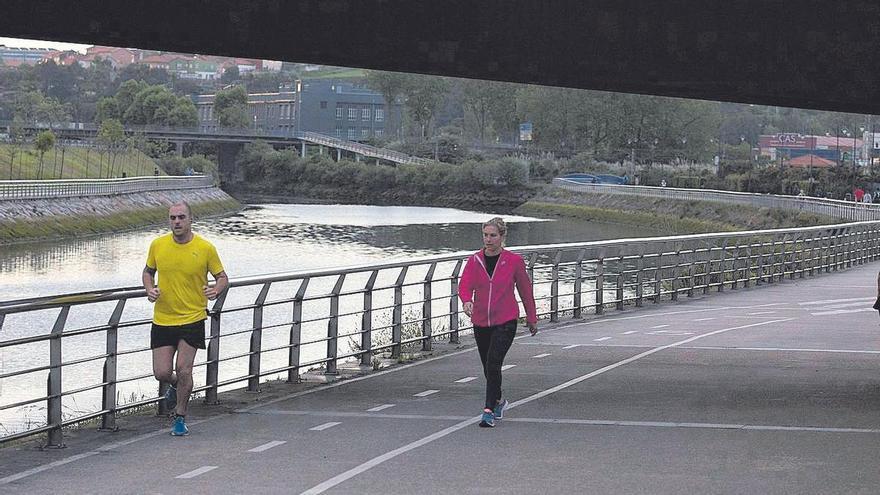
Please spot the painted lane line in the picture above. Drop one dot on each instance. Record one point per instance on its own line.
(466, 379)
(267, 446)
(860, 304)
(324, 426)
(843, 311)
(704, 319)
(630, 332)
(196, 472)
(784, 349)
(600, 339)
(833, 301)
(585, 422)
(571, 346)
(376, 461)
(668, 332)
(761, 313)
(507, 367)
(380, 408)
(46, 467)
(543, 355)
(425, 393)
(660, 326)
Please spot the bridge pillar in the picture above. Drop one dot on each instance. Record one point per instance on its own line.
(338, 154)
(357, 158)
(302, 152)
(226, 155)
(178, 148)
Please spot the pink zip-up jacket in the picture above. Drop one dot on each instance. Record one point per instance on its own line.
(493, 298)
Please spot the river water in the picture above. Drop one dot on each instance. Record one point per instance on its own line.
(259, 240)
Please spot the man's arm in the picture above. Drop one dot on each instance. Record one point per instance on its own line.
(221, 282)
(149, 279)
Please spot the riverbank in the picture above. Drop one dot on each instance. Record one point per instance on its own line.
(31, 220)
(672, 216)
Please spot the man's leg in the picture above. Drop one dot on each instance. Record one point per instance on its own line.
(186, 356)
(163, 359)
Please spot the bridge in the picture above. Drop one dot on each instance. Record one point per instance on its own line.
(709, 363)
(180, 135)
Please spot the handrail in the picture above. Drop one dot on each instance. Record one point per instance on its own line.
(330, 317)
(67, 188)
(846, 210)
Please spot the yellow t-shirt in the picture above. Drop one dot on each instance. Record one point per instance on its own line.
(182, 272)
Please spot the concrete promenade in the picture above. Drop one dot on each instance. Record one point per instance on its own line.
(774, 389)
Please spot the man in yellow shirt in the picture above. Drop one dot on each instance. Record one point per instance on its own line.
(183, 261)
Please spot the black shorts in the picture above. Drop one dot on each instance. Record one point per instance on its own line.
(192, 333)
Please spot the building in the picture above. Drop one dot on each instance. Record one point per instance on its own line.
(344, 109)
(788, 146)
(13, 57)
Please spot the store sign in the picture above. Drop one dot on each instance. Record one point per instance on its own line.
(788, 140)
(525, 131)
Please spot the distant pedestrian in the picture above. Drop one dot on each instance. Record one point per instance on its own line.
(487, 291)
(867, 198)
(182, 260)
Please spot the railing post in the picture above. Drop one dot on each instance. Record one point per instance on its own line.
(367, 321)
(397, 315)
(453, 303)
(212, 371)
(257, 340)
(619, 283)
(296, 333)
(675, 271)
(108, 392)
(554, 287)
(722, 265)
(578, 284)
(600, 282)
(658, 275)
(54, 388)
(692, 266)
(707, 266)
(426, 308)
(333, 327)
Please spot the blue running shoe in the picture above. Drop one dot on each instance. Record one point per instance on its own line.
(179, 429)
(499, 409)
(170, 398)
(488, 419)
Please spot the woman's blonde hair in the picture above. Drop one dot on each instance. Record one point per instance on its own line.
(499, 224)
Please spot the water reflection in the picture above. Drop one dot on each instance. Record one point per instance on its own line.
(273, 238)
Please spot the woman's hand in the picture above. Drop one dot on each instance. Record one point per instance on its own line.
(533, 328)
(469, 308)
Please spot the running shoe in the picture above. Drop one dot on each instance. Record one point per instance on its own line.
(170, 398)
(499, 409)
(488, 419)
(179, 429)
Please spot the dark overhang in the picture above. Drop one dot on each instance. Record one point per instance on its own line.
(809, 54)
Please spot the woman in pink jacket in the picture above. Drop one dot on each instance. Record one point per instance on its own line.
(486, 289)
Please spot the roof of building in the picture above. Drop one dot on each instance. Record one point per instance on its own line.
(814, 161)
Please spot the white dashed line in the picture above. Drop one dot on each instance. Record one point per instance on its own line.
(466, 379)
(703, 319)
(380, 408)
(196, 472)
(267, 446)
(843, 311)
(507, 367)
(630, 332)
(660, 326)
(540, 355)
(325, 426)
(571, 346)
(425, 393)
(600, 339)
(832, 301)
(761, 313)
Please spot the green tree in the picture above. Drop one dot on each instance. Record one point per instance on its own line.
(392, 85)
(423, 97)
(111, 135)
(230, 75)
(230, 104)
(44, 142)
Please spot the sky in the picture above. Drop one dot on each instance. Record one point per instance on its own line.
(23, 43)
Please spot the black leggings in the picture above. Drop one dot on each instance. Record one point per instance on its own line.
(493, 343)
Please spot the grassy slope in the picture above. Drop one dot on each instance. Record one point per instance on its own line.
(79, 163)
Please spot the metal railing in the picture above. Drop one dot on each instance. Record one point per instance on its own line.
(845, 210)
(280, 325)
(364, 149)
(67, 188)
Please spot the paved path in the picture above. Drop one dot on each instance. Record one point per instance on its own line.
(767, 390)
